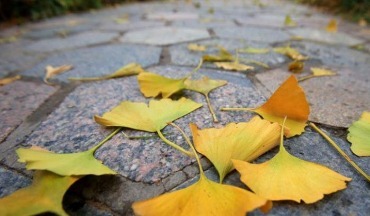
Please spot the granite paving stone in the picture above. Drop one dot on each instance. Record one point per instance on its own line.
(264, 20)
(164, 35)
(11, 181)
(203, 23)
(74, 41)
(61, 31)
(335, 100)
(98, 61)
(127, 26)
(180, 55)
(18, 100)
(172, 16)
(250, 33)
(323, 36)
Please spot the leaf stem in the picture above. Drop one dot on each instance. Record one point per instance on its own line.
(105, 140)
(137, 137)
(88, 78)
(236, 109)
(174, 145)
(191, 146)
(306, 77)
(195, 69)
(211, 109)
(341, 152)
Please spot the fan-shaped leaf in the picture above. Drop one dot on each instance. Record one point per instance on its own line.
(359, 135)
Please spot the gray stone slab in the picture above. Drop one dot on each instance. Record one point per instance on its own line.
(264, 20)
(122, 27)
(164, 35)
(75, 41)
(11, 181)
(336, 100)
(252, 34)
(70, 127)
(58, 32)
(18, 100)
(172, 16)
(98, 61)
(203, 23)
(326, 37)
(180, 55)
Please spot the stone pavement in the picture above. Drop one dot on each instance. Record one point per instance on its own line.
(156, 35)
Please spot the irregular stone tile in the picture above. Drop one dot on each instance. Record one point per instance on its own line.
(18, 100)
(130, 25)
(98, 61)
(267, 20)
(171, 16)
(58, 32)
(252, 34)
(164, 35)
(203, 23)
(180, 55)
(75, 41)
(71, 128)
(336, 100)
(326, 37)
(11, 181)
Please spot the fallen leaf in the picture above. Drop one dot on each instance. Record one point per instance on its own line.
(205, 197)
(243, 141)
(8, 39)
(249, 61)
(53, 71)
(253, 50)
(318, 72)
(205, 86)
(153, 85)
(296, 66)
(196, 47)
(223, 56)
(288, 100)
(291, 53)
(44, 195)
(127, 70)
(122, 19)
(362, 22)
(359, 135)
(286, 177)
(8, 80)
(150, 118)
(234, 66)
(332, 26)
(289, 21)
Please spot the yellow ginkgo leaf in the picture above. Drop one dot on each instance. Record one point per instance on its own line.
(196, 47)
(359, 135)
(288, 100)
(296, 66)
(289, 21)
(223, 56)
(286, 177)
(44, 195)
(318, 72)
(332, 26)
(51, 71)
(234, 66)
(242, 141)
(127, 70)
(205, 197)
(291, 53)
(254, 50)
(152, 85)
(8, 80)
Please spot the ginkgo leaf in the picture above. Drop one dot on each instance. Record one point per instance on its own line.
(152, 85)
(362, 22)
(289, 21)
(234, 66)
(242, 141)
(223, 56)
(44, 195)
(359, 135)
(318, 72)
(291, 53)
(205, 86)
(204, 197)
(286, 177)
(296, 66)
(254, 50)
(196, 47)
(51, 71)
(150, 118)
(332, 26)
(288, 100)
(81, 163)
(127, 70)
(8, 80)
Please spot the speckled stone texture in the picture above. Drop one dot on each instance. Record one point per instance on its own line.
(18, 100)
(75, 41)
(180, 55)
(250, 33)
(129, 25)
(11, 181)
(58, 31)
(336, 100)
(98, 61)
(164, 35)
(172, 16)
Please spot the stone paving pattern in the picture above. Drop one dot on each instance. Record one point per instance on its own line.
(156, 35)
